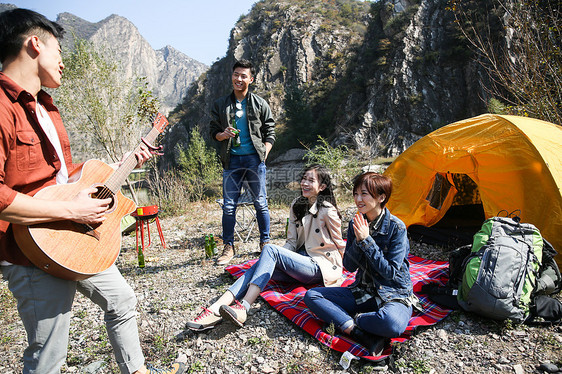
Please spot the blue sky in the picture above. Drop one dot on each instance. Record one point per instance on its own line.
(198, 28)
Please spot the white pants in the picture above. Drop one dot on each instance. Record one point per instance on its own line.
(44, 305)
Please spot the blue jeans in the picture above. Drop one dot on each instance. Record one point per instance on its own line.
(251, 169)
(279, 264)
(337, 305)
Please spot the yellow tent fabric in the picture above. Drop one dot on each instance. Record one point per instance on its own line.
(516, 163)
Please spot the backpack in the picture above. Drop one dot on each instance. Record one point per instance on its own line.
(500, 273)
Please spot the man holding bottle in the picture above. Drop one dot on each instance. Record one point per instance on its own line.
(243, 123)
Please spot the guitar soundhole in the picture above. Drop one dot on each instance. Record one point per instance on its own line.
(104, 193)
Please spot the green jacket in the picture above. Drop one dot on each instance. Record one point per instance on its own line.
(260, 123)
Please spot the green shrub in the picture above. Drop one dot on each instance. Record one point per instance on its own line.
(199, 167)
(497, 107)
(170, 192)
(339, 160)
(197, 176)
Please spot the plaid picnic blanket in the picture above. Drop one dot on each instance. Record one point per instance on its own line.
(288, 300)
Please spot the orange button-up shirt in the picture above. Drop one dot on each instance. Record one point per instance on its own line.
(28, 160)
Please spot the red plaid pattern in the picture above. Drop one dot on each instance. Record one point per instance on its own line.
(288, 300)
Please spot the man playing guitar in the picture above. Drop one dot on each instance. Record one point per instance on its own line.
(35, 153)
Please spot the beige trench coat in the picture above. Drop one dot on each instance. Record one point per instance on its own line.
(320, 233)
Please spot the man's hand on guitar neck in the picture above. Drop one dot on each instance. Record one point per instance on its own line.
(143, 155)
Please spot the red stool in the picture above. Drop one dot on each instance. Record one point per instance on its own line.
(143, 215)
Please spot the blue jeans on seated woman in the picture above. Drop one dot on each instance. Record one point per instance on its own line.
(251, 169)
(279, 264)
(337, 305)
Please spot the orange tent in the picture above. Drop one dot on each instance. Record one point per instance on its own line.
(494, 162)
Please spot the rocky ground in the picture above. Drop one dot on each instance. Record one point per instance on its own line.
(178, 280)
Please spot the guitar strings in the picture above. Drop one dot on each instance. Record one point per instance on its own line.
(105, 193)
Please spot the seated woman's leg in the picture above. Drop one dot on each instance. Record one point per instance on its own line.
(332, 305)
(389, 321)
(240, 287)
(282, 264)
(210, 316)
(337, 305)
(274, 262)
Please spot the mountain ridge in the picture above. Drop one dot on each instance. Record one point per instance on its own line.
(169, 72)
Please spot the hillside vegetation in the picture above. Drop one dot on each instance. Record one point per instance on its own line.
(371, 75)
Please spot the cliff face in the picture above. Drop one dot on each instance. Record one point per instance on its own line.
(373, 76)
(168, 71)
(420, 76)
(4, 7)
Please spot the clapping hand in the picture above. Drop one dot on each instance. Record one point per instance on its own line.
(360, 227)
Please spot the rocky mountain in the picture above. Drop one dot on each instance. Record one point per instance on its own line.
(169, 72)
(4, 7)
(374, 76)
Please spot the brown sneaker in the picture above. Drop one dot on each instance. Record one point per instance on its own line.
(235, 313)
(205, 320)
(262, 244)
(227, 254)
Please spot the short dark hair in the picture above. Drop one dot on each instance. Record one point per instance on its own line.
(375, 183)
(246, 64)
(18, 24)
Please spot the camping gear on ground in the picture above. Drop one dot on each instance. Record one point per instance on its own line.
(501, 271)
(549, 282)
(550, 279)
(454, 178)
(508, 272)
(546, 307)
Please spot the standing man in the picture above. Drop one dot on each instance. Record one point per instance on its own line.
(243, 123)
(34, 153)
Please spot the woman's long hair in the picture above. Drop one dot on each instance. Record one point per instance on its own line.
(301, 205)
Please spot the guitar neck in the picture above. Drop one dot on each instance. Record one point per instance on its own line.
(117, 179)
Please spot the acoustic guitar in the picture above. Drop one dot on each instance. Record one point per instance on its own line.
(74, 251)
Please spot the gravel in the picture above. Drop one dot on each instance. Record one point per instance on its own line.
(178, 281)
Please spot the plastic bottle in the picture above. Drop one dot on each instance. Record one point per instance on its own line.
(236, 140)
(141, 256)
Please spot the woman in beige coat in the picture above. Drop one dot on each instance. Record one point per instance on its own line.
(312, 254)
